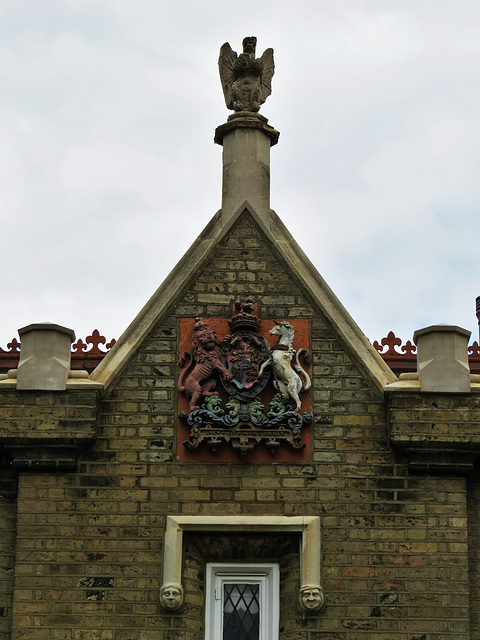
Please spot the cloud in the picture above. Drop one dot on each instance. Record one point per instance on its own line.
(108, 170)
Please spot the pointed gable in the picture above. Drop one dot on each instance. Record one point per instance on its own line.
(239, 257)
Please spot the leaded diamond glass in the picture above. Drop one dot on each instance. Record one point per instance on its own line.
(241, 611)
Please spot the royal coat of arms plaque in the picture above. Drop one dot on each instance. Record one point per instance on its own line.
(245, 364)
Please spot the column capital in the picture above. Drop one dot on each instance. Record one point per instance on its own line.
(246, 120)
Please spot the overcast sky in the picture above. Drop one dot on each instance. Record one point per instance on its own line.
(108, 170)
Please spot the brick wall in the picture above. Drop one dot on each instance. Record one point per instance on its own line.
(8, 513)
(90, 544)
(474, 553)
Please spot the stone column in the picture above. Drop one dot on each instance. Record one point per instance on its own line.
(442, 358)
(45, 357)
(246, 138)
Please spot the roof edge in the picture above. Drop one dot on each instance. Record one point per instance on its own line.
(191, 262)
(353, 338)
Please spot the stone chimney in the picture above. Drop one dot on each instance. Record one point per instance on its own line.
(442, 358)
(45, 357)
(246, 137)
(246, 144)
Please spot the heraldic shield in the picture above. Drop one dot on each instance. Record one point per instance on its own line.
(243, 356)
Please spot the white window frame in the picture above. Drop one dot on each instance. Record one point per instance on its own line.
(266, 575)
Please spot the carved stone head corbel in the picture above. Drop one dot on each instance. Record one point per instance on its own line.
(311, 598)
(171, 596)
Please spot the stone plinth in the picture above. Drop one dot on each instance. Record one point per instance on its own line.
(246, 138)
(44, 357)
(442, 359)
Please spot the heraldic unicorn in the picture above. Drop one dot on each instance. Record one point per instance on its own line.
(288, 383)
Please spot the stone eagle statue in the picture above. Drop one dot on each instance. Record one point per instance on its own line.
(246, 80)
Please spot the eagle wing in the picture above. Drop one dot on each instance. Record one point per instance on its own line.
(226, 61)
(268, 71)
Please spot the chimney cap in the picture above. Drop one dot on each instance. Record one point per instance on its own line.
(46, 326)
(436, 328)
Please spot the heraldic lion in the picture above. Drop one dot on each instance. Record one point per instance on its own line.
(206, 349)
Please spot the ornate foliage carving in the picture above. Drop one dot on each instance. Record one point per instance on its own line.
(246, 428)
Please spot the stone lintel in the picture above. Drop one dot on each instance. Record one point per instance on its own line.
(308, 526)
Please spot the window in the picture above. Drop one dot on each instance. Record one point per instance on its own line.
(242, 601)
